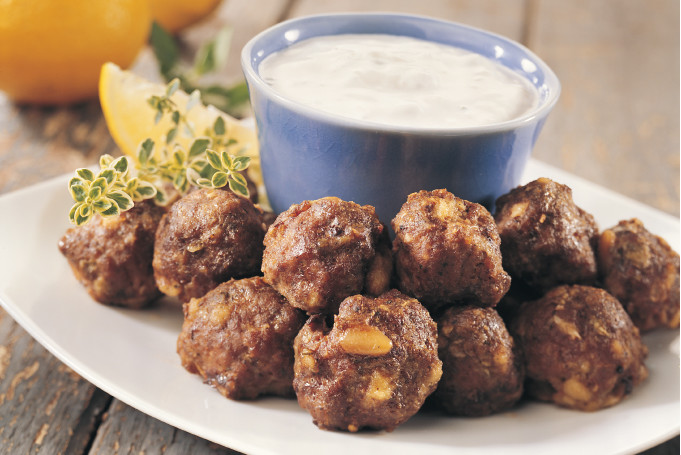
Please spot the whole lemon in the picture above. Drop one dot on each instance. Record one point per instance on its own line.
(51, 51)
(175, 15)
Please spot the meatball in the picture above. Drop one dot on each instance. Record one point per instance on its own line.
(319, 252)
(546, 239)
(373, 369)
(239, 339)
(642, 271)
(111, 256)
(581, 349)
(447, 250)
(482, 370)
(207, 237)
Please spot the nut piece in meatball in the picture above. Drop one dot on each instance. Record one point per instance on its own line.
(239, 339)
(319, 252)
(206, 238)
(447, 250)
(581, 349)
(642, 271)
(373, 369)
(546, 240)
(111, 256)
(482, 370)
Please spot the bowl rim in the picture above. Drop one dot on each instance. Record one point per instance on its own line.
(535, 115)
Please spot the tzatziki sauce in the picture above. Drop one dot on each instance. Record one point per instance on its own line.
(398, 81)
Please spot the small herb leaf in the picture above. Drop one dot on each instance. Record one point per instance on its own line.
(219, 179)
(238, 188)
(86, 174)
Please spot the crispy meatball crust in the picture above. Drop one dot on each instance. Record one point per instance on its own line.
(239, 339)
(581, 349)
(546, 239)
(373, 369)
(642, 271)
(446, 250)
(111, 257)
(319, 252)
(482, 369)
(207, 237)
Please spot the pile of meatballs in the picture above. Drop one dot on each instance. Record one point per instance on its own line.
(462, 311)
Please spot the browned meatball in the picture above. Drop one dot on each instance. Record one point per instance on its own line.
(112, 256)
(373, 369)
(642, 271)
(447, 250)
(207, 237)
(482, 370)
(319, 252)
(239, 339)
(546, 239)
(581, 349)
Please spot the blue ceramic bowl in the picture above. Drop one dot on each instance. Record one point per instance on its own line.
(309, 154)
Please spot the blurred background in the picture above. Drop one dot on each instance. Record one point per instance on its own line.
(616, 124)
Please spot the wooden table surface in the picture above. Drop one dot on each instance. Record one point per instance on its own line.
(617, 124)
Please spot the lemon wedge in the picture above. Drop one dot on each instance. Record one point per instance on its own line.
(131, 120)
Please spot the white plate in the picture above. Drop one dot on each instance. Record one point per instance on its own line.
(131, 355)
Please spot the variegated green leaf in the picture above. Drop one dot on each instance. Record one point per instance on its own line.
(80, 218)
(214, 158)
(78, 189)
(105, 160)
(108, 175)
(85, 174)
(122, 200)
(102, 204)
(219, 126)
(238, 188)
(240, 179)
(120, 164)
(95, 192)
(75, 209)
(219, 179)
(198, 147)
(178, 156)
(146, 190)
(241, 162)
(161, 198)
(170, 135)
(226, 160)
(145, 151)
(113, 210)
(99, 182)
(205, 183)
(85, 211)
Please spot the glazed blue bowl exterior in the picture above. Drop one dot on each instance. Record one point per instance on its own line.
(307, 154)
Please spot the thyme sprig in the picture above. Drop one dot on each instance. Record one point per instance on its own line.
(208, 163)
(109, 192)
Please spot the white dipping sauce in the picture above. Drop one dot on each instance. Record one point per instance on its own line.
(398, 81)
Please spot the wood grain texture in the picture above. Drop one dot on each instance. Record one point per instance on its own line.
(500, 16)
(45, 408)
(125, 430)
(617, 123)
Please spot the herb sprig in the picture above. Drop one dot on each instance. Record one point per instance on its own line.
(208, 163)
(211, 57)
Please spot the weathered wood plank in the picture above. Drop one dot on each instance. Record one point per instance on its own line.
(505, 17)
(617, 121)
(37, 143)
(45, 408)
(125, 430)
